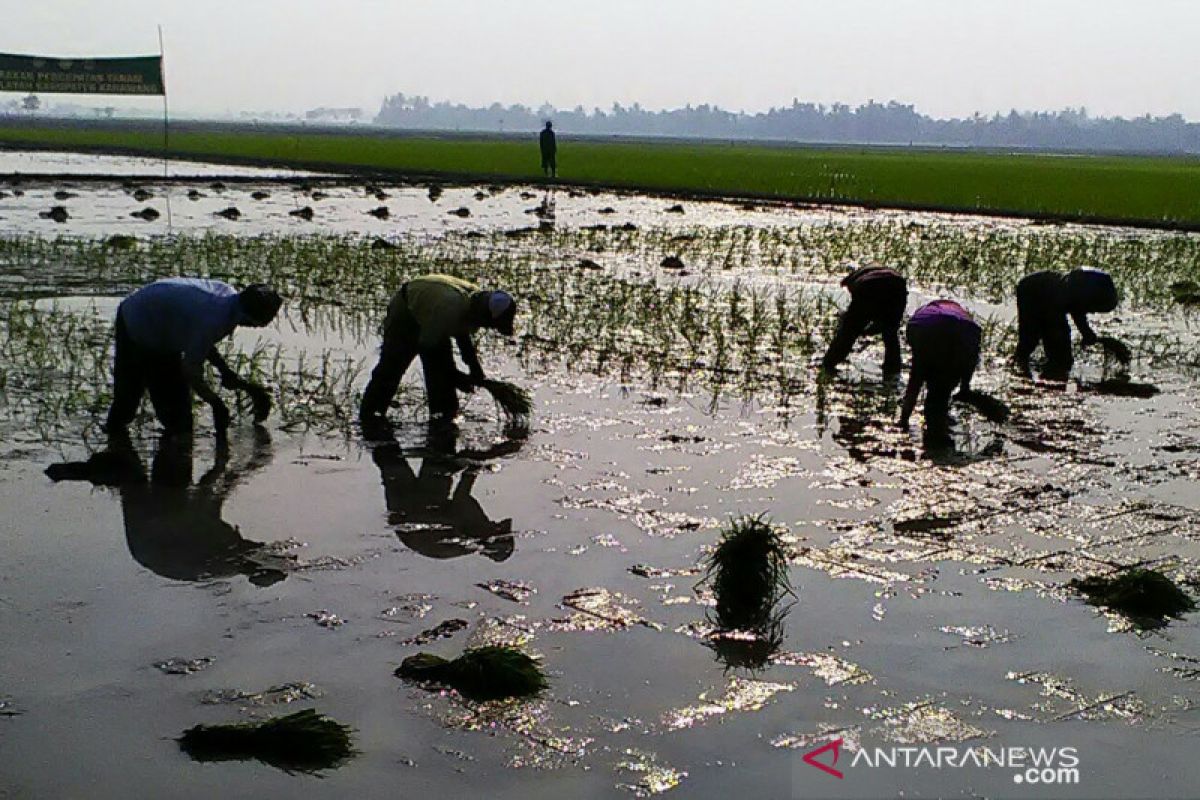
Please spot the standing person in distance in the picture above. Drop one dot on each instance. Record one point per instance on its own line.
(549, 146)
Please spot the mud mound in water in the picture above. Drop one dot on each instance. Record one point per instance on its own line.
(259, 195)
(482, 673)
(302, 742)
(121, 241)
(1186, 293)
(1147, 597)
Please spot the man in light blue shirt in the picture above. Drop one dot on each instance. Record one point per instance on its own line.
(165, 332)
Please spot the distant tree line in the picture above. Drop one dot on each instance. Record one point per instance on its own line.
(872, 123)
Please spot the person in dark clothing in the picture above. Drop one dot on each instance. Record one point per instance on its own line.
(878, 296)
(944, 340)
(549, 146)
(423, 317)
(173, 528)
(165, 331)
(432, 515)
(1044, 302)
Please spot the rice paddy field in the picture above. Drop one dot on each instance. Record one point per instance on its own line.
(1147, 191)
(718, 560)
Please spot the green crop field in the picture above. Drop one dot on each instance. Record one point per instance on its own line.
(1138, 190)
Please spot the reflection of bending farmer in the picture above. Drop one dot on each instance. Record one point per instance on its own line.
(165, 332)
(422, 318)
(945, 351)
(877, 299)
(436, 517)
(549, 145)
(173, 528)
(1044, 301)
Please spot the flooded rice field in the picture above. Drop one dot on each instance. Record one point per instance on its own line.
(929, 605)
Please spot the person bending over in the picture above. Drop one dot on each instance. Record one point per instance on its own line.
(165, 331)
(1044, 302)
(878, 296)
(422, 319)
(945, 352)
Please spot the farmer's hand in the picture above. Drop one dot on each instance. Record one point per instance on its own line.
(1116, 348)
(261, 400)
(220, 416)
(465, 382)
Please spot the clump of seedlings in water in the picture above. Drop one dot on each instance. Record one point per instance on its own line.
(482, 673)
(1147, 597)
(512, 399)
(302, 742)
(747, 573)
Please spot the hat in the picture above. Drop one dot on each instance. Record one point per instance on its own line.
(503, 308)
(260, 303)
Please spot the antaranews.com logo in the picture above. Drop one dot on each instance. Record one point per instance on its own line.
(1050, 766)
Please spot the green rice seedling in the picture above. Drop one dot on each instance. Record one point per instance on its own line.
(748, 574)
(302, 742)
(512, 399)
(1147, 597)
(482, 673)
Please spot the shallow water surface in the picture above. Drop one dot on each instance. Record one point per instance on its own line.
(299, 566)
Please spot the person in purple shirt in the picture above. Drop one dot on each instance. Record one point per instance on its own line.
(165, 331)
(945, 352)
(878, 296)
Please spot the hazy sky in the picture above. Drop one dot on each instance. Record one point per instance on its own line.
(947, 57)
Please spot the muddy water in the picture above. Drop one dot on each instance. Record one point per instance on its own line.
(297, 570)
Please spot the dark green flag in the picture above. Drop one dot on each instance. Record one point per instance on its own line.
(46, 75)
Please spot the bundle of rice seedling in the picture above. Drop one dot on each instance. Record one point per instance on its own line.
(991, 408)
(482, 673)
(514, 400)
(1146, 596)
(1115, 348)
(748, 574)
(302, 742)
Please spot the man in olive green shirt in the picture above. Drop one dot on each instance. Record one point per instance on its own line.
(422, 318)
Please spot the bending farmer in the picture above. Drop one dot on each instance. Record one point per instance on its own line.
(165, 332)
(945, 351)
(1044, 299)
(877, 299)
(422, 318)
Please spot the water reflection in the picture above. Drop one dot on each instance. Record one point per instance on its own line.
(175, 528)
(433, 515)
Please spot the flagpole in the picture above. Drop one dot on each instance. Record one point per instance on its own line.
(162, 70)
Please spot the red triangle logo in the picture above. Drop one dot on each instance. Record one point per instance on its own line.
(811, 757)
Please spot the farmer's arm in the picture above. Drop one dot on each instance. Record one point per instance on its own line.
(1085, 330)
(466, 349)
(195, 376)
(916, 379)
(231, 380)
